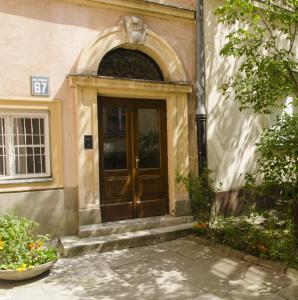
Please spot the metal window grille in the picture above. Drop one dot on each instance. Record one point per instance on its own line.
(24, 145)
(3, 152)
(127, 63)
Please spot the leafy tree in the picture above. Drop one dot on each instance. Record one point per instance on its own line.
(263, 37)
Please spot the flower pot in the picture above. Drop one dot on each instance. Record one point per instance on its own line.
(27, 273)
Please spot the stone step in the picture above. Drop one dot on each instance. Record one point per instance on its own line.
(74, 245)
(131, 225)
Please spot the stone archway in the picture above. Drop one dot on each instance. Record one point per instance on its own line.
(132, 33)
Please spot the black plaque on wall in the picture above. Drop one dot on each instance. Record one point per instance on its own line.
(88, 142)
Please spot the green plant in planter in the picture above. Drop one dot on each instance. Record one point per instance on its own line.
(20, 246)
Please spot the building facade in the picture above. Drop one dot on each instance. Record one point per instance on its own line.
(97, 105)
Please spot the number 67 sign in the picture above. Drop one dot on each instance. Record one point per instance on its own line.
(40, 86)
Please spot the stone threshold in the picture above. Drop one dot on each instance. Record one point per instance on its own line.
(75, 245)
(229, 251)
(131, 225)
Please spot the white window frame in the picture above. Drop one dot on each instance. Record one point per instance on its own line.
(10, 148)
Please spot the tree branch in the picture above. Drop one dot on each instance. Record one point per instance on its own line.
(290, 71)
(293, 40)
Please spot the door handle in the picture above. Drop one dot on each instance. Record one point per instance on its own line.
(137, 162)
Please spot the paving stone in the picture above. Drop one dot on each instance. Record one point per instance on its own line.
(278, 266)
(179, 269)
(200, 240)
(177, 244)
(251, 259)
(207, 296)
(237, 254)
(197, 252)
(293, 273)
(263, 278)
(290, 292)
(253, 296)
(222, 248)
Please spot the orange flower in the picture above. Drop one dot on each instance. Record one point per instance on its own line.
(31, 246)
(35, 245)
(262, 248)
(201, 225)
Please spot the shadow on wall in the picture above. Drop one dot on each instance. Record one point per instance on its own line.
(231, 134)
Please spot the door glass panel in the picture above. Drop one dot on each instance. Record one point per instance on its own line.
(148, 138)
(114, 138)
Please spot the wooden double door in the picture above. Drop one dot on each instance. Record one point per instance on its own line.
(133, 158)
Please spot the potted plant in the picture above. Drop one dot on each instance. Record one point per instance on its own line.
(23, 253)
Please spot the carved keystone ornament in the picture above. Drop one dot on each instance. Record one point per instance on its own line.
(134, 29)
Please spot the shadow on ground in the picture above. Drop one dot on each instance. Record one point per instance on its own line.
(179, 269)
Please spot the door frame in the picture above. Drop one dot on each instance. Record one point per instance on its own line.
(87, 89)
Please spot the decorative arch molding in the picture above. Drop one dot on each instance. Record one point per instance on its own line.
(132, 33)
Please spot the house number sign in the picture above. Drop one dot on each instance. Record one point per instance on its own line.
(40, 86)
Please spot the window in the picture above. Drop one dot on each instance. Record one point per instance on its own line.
(24, 145)
(126, 63)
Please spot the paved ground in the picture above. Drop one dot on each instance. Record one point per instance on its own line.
(178, 269)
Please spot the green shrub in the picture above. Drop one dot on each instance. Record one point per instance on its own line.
(260, 234)
(201, 228)
(277, 166)
(201, 192)
(20, 246)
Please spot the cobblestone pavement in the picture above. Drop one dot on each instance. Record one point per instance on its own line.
(179, 269)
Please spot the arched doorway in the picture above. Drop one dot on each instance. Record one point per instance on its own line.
(165, 86)
(132, 143)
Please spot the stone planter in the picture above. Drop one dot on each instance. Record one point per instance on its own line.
(26, 274)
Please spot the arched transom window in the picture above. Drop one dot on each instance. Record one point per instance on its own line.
(126, 63)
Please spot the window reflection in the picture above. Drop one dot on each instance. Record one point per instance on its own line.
(149, 148)
(114, 138)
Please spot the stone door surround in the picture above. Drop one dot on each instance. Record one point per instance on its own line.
(132, 33)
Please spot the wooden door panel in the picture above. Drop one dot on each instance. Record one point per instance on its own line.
(117, 189)
(150, 133)
(151, 187)
(119, 211)
(150, 208)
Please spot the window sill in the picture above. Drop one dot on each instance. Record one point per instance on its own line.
(26, 180)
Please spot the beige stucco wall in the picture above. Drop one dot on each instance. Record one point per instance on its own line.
(47, 37)
(231, 134)
(189, 4)
(55, 210)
